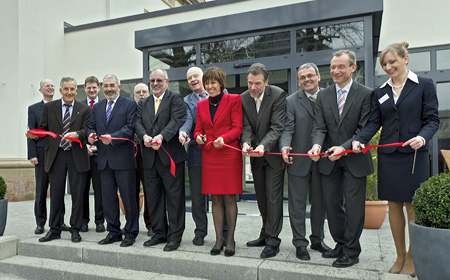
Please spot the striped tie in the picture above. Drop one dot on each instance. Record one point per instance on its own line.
(341, 100)
(108, 111)
(66, 125)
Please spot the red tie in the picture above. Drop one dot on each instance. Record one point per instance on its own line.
(92, 104)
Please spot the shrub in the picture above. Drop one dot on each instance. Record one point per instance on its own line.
(372, 179)
(2, 188)
(431, 202)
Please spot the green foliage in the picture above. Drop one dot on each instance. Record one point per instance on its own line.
(372, 179)
(431, 202)
(2, 188)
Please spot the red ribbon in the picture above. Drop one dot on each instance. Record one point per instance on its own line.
(172, 163)
(115, 138)
(43, 133)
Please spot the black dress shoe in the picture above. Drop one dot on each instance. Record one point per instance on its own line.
(333, 254)
(198, 240)
(302, 253)
(215, 252)
(76, 237)
(39, 230)
(321, 247)
(229, 253)
(100, 228)
(270, 251)
(259, 242)
(345, 261)
(84, 228)
(154, 241)
(64, 227)
(49, 237)
(127, 242)
(171, 246)
(110, 239)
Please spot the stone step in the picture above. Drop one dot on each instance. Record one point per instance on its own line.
(47, 269)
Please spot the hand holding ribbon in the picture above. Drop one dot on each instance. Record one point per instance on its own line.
(108, 137)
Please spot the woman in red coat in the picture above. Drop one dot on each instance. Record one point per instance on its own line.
(219, 120)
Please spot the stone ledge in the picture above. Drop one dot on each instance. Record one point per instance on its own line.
(8, 246)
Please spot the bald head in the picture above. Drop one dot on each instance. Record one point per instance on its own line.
(194, 76)
(140, 92)
(47, 89)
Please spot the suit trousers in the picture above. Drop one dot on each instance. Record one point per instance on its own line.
(93, 174)
(40, 200)
(63, 164)
(198, 201)
(268, 184)
(166, 193)
(298, 188)
(124, 180)
(344, 197)
(139, 179)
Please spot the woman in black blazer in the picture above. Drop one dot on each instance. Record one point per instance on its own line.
(406, 106)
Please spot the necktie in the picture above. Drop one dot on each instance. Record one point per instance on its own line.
(66, 124)
(108, 111)
(258, 104)
(91, 103)
(158, 101)
(312, 98)
(341, 100)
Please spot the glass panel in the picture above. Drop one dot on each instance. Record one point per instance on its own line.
(181, 87)
(443, 59)
(245, 48)
(278, 78)
(443, 90)
(336, 36)
(175, 57)
(419, 61)
(326, 79)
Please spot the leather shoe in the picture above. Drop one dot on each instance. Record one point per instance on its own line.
(49, 237)
(259, 242)
(100, 228)
(150, 232)
(345, 261)
(127, 242)
(229, 253)
(333, 254)
(198, 240)
(84, 228)
(39, 230)
(215, 252)
(270, 251)
(302, 253)
(76, 237)
(110, 239)
(64, 227)
(171, 246)
(321, 247)
(154, 241)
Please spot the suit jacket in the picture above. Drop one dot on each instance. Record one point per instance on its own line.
(51, 120)
(297, 131)
(35, 148)
(170, 117)
(194, 151)
(119, 155)
(329, 130)
(266, 126)
(415, 114)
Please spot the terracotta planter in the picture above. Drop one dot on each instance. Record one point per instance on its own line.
(375, 214)
(141, 202)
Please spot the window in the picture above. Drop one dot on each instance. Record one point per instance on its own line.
(443, 59)
(418, 62)
(183, 56)
(336, 36)
(326, 79)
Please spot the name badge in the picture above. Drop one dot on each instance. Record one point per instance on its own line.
(384, 98)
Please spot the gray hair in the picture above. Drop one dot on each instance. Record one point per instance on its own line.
(67, 79)
(162, 70)
(112, 76)
(351, 55)
(308, 65)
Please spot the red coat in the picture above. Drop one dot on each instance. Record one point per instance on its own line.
(221, 167)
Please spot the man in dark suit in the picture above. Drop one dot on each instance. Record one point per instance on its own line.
(92, 87)
(303, 174)
(264, 109)
(140, 92)
(114, 117)
(69, 118)
(341, 111)
(158, 119)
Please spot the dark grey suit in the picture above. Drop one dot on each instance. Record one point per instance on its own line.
(344, 179)
(164, 191)
(303, 174)
(265, 128)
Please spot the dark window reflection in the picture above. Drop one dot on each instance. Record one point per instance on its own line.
(336, 36)
(326, 79)
(175, 57)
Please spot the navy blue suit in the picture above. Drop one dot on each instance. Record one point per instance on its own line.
(117, 164)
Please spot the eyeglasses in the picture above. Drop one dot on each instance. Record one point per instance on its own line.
(159, 81)
(339, 67)
(309, 76)
(109, 86)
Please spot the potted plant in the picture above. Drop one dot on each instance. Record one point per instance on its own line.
(375, 209)
(430, 234)
(3, 206)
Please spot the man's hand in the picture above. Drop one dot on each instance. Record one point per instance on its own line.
(34, 161)
(217, 143)
(147, 140)
(201, 139)
(72, 134)
(334, 151)
(92, 149)
(246, 148)
(285, 155)
(158, 139)
(92, 140)
(183, 137)
(260, 151)
(357, 147)
(107, 140)
(415, 142)
(314, 151)
(31, 136)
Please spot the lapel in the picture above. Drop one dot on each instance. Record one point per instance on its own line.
(75, 111)
(351, 96)
(305, 102)
(264, 105)
(163, 105)
(221, 108)
(332, 98)
(58, 112)
(193, 102)
(407, 89)
(251, 106)
(388, 90)
(119, 103)
(100, 109)
(150, 107)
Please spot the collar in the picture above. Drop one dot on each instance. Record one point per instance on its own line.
(411, 76)
(115, 99)
(260, 97)
(45, 101)
(89, 100)
(346, 87)
(160, 97)
(314, 95)
(62, 102)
